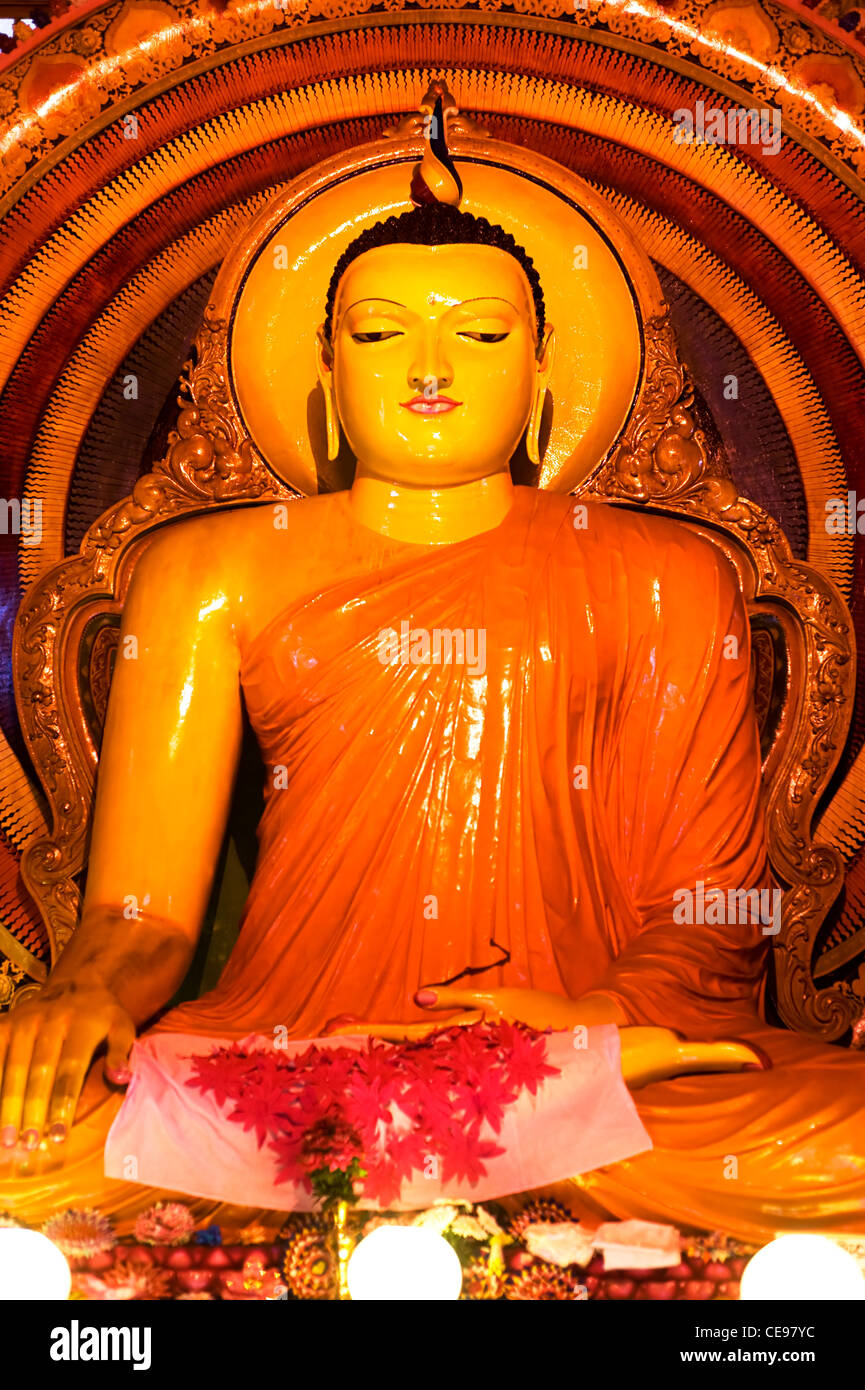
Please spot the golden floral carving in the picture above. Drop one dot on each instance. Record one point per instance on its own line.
(662, 449)
(743, 27)
(412, 125)
(11, 976)
(100, 670)
(833, 80)
(86, 41)
(797, 39)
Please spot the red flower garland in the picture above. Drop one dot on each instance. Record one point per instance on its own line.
(328, 1108)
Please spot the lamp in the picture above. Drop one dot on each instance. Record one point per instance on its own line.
(802, 1267)
(396, 1263)
(31, 1266)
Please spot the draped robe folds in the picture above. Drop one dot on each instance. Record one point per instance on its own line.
(421, 819)
(535, 816)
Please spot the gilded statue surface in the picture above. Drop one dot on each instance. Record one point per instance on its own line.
(531, 708)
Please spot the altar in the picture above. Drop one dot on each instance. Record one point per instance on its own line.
(431, 837)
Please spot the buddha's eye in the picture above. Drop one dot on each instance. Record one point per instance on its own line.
(484, 337)
(377, 336)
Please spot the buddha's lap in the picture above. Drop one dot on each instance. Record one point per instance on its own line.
(806, 1103)
(812, 1071)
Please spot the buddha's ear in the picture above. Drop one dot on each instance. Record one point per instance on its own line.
(324, 364)
(545, 355)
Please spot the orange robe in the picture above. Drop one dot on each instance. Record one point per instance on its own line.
(530, 817)
(415, 814)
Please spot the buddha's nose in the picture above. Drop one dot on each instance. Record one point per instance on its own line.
(431, 383)
(430, 373)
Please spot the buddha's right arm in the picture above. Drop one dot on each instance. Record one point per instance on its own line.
(169, 755)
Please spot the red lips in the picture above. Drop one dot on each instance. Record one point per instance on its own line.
(430, 405)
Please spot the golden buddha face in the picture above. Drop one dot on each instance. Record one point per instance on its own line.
(435, 370)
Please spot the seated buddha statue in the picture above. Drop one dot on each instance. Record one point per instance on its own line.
(499, 740)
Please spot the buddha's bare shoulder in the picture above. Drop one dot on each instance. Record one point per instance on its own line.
(248, 561)
(238, 541)
(234, 529)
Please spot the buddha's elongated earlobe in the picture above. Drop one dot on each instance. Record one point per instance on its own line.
(545, 367)
(331, 420)
(324, 354)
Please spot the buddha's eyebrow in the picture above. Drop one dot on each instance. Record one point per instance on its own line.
(478, 299)
(486, 299)
(375, 299)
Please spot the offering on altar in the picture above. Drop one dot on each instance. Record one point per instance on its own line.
(469, 1113)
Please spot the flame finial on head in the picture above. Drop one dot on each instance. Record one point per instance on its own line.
(435, 179)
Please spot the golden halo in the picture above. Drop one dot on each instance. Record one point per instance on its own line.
(598, 286)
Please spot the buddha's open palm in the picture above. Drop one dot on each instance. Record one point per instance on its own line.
(648, 1054)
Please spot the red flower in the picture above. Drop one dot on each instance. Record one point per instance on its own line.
(382, 1183)
(256, 1110)
(287, 1148)
(327, 1107)
(428, 1107)
(526, 1065)
(223, 1072)
(329, 1143)
(409, 1152)
(323, 1080)
(486, 1100)
(462, 1158)
(366, 1104)
(384, 1063)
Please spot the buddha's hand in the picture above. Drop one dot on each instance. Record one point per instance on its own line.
(465, 1006)
(648, 1054)
(657, 1054)
(46, 1047)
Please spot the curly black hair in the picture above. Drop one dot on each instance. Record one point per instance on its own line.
(435, 224)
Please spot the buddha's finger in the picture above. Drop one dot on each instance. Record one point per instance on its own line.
(390, 1032)
(648, 1055)
(72, 1068)
(446, 997)
(341, 1025)
(121, 1036)
(46, 1054)
(401, 1032)
(404, 1032)
(720, 1056)
(425, 1030)
(16, 1065)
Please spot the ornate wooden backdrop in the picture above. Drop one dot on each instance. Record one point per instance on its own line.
(138, 135)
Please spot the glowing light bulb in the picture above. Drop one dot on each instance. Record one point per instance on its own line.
(31, 1266)
(802, 1267)
(395, 1263)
